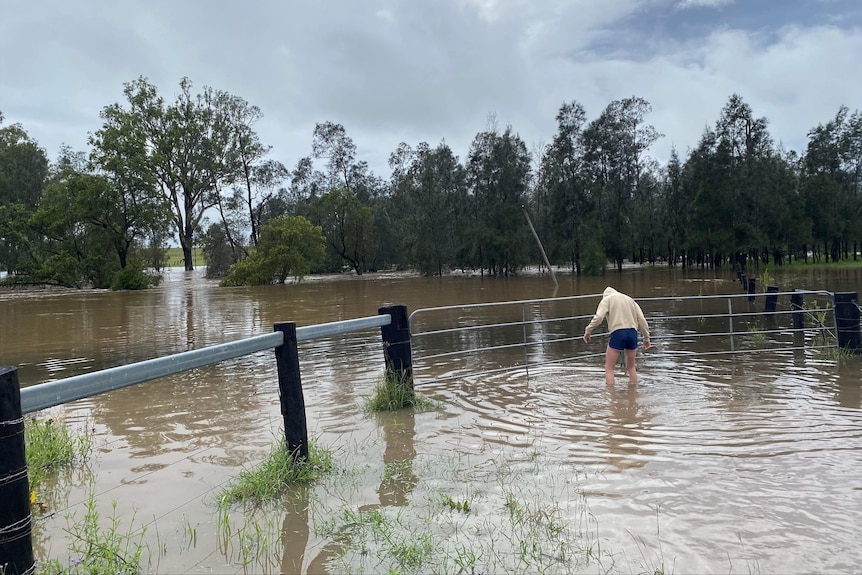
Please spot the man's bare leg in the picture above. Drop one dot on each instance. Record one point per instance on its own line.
(612, 356)
(631, 358)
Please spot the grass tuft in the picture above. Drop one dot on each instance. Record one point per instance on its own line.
(392, 393)
(275, 474)
(50, 445)
(95, 550)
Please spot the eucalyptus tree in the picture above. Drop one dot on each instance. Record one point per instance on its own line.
(259, 178)
(729, 178)
(130, 208)
(343, 170)
(429, 186)
(831, 180)
(498, 177)
(676, 211)
(23, 170)
(743, 150)
(615, 144)
(647, 209)
(88, 229)
(346, 224)
(191, 148)
(712, 210)
(348, 208)
(561, 190)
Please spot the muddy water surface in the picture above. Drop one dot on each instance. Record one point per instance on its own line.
(712, 464)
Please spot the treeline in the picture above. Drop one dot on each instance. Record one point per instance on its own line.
(195, 169)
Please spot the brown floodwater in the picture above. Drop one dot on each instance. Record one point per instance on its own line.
(711, 464)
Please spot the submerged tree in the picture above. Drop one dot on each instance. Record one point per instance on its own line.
(23, 170)
(498, 176)
(290, 246)
(191, 147)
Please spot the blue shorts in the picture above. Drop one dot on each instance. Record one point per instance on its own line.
(624, 339)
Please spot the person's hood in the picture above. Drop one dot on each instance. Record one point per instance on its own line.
(608, 291)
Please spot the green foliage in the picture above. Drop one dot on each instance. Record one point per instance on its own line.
(157, 166)
(49, 445)
(498, 172)
(289, 246)
(345, 223)
(462, 506)
(276, 473)
(133, 277)
(217, 251)
(95, 550)
(593, 259)
(392, 393)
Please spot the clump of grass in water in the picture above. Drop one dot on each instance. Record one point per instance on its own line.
(757, 333)
(278, 471)
(765, 279)
(97, 551)
(395, 392)
(49, 445)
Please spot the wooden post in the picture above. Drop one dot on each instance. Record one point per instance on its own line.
(397, 350)
(771, 300)
(751, 289)
(796, 306)
(847, 320)
(290, 393)
(16, 544)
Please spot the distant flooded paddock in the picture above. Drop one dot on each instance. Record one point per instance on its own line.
(745, 463)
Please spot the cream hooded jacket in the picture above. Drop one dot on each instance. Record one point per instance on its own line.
(622, 312)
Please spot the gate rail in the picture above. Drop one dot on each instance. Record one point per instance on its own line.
(542, 327)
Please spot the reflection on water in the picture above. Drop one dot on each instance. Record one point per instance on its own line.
(747, 463)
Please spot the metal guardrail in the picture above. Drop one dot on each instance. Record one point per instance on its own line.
(532, 330)
(49, 394)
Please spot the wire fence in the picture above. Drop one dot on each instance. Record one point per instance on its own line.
(455, 342)
(451, 342)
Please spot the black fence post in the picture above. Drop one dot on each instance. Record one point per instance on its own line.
(796, 306)
(751, 289)
(397, 350)
(771, 300)
(290, 393)
(847, 320)
(16, 544)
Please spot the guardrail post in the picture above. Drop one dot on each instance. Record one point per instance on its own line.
(752, 283)
(290, 393)
(16, 544)
(847, 320)
(796, 306)
(771, 300)
(397, 350)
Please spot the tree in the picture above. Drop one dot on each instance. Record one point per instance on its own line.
(832, 177)
(130, 208)
(561, 190)
(259, 178)
(429, 185)
(498, 176)
(346, 225)
(23, 170)
(290, 246)
(191, 148)
(616, 143)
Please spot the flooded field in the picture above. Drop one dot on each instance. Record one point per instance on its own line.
(711, 464)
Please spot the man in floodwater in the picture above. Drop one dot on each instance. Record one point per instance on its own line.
(625, 318)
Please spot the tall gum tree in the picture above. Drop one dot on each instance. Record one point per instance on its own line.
(191, 145)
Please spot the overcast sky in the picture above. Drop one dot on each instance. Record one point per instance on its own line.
(427, 71)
